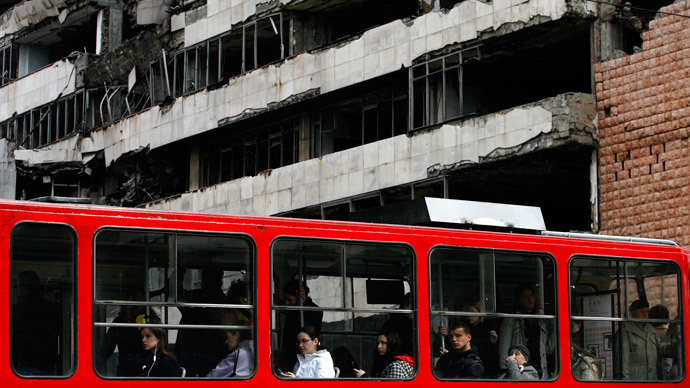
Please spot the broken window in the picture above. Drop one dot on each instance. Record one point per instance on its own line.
(9, 64)
(375, 116)
(437, 89)
(272, 147)
(216, 60)
(47, 123)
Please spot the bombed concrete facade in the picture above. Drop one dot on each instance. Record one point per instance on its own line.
(305, 108)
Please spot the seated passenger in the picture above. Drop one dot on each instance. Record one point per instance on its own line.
(239, 293)
(484, 337)
(157, 361)
(517, 364)
(240, 361)
(345, 362)
(127, 340)
(463, 360)
(389, 360)
(313, 360)
(585, 365)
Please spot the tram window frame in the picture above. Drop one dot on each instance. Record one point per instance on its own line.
(489, 307)
(175, 300)
(349, 307)
(622, 315)
(68, 352)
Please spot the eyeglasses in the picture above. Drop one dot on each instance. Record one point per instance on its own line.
(303, 341)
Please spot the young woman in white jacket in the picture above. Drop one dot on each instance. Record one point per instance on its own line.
(313, 360)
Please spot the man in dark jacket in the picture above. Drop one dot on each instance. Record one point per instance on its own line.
(463, 360)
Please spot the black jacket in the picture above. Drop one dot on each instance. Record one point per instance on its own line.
(163, 366)
(455, 364)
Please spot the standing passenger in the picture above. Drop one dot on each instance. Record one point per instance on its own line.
(293, 292)
(533, 333)
(640, 345)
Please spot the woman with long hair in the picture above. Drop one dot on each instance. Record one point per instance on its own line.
(157, 361)
(389, 360)
(313, 359)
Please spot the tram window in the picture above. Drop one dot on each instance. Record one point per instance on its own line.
(194, 292)
(625, 321)
(43, 296)
(349, 292)
(469, 288)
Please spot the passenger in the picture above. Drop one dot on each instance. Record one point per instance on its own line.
(640, 345)
(239, 293)
(484, 337)
(293, 320)
(671, 368)
(533, 333)
(240, 359)
(403, 325)
(345, 362)
(518, 367)
(660, 312)
(126, 339)
(585, 365)
(200, 350)
(463, 360)
(389, 360)
(313, 360)
(157, 361)
(35, 329)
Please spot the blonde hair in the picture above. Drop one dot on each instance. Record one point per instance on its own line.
(476, 304)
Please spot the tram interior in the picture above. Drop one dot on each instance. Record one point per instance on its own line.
(42, 327)
(603, 292)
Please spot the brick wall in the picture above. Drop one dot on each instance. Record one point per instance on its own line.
(643, 103)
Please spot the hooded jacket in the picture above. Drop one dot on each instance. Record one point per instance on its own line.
(240, 362)
(456, 364)
(317, 365)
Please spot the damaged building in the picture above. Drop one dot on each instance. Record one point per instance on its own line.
(333, 109)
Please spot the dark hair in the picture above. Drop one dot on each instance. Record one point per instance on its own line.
(394, 348)
(313, 333)
(343, 360)
(461, 325)
(238, 289)
(292, 287)
(160, 335)
(245, 334)
(659, 312)
(522, 288)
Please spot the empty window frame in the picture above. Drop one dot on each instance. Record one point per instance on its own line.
(352, 291)
(194, 290)
(376, 116)
(273, 147)
(159, 79)
(437, 88)
(505, 298)
(51, 122)
(626, 321)
(43, 322)
(9, 64)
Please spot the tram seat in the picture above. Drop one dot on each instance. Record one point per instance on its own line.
(183, 372)
(337, 371)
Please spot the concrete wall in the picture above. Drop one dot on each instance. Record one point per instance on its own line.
(379, 51)
(8, 172)
(37, 89)
(644, 121)
(386, 163)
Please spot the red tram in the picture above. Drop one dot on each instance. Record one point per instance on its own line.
(81, 283)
